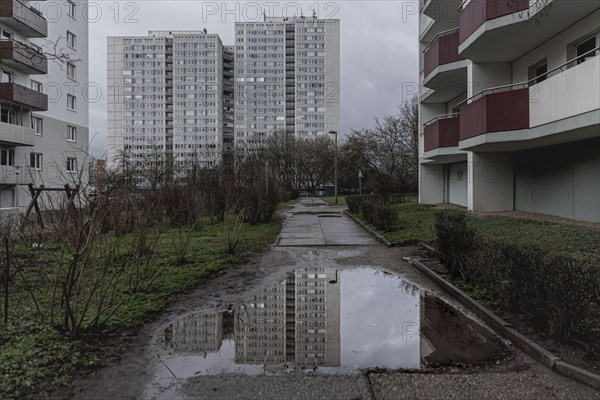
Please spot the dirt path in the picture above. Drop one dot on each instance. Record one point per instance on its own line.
(164, 361)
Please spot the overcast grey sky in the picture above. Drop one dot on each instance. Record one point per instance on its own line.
(379, 63)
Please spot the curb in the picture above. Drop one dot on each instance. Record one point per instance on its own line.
(368, 229)
(504, 329)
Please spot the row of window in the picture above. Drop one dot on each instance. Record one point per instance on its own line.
(7, 158)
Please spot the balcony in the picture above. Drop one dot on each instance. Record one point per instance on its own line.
(443, 64)
(23, 96)
(16, 135)
(493, 111)
(513, 28)
(437, 16)
(475, 13)
(442, 131)
(557, 107)
(23, 58)
(22, 18)
(9, 177)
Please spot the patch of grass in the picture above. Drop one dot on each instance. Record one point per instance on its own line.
(331, 200)
(416, 224)
(33, 355)
(576, 241)
(288, 204)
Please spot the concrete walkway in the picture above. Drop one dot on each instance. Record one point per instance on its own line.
(312, 222)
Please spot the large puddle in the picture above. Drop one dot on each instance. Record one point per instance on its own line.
(327, 320)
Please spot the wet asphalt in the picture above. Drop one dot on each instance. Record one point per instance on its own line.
(314, 228)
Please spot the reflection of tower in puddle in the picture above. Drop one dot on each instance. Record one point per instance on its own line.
(198, 333)
(295, 322)
(259, 328)
(317, 318)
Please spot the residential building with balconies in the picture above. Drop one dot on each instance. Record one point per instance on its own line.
(170, 100)
(43, 97)
(510, 106)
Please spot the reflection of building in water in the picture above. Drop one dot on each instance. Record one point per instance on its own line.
(296, 321)
(317, 317)
(260, 335)
(197, 333)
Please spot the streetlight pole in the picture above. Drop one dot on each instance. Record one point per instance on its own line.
(336, 165)
(17, 172)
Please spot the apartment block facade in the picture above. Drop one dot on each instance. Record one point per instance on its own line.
(43, 97)
(510, 106)
(287, 78)
(170, 100)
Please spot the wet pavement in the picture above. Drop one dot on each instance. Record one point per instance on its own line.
(313, 320)
(314, 223)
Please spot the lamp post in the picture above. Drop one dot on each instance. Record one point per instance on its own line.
(360, 176)
(17, 172)
(336, 165)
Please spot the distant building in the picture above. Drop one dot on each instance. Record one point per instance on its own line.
(43, 97)
(170, 100)
(510, 106)
(287, 78)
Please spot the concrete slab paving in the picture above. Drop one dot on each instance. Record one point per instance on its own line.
(312, 222)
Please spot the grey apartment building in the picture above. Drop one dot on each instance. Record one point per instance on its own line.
(43, 98)
(287, 78)
(170, 100)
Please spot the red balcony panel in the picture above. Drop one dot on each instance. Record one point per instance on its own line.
(496, 112)
(442, 133)
(476, 12)
(27, 20)
(443, 50)
(23, 96)
(23, 57)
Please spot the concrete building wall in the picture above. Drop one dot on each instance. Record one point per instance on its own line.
(432, 184)
(490, 185)
(457, 184)
(481, 76)
(556, 50)
(560, 180)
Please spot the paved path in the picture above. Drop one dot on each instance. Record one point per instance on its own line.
(313, 223)
(309, 238)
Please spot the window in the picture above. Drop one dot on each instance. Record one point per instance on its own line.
(37, 86)
(71, 8)
(71, 164)
(35, 160)
(7, 116)
(584, 49)
(538, 72)
(71, 133)
(71, 39)
(7, 157)
(37, 124)
(71, 71)
(6, 76)
(71, 102)
(5, 35)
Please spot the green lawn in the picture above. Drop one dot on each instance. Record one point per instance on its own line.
(34, 354)
(416, 224)
(288, 204)
(331, 200)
